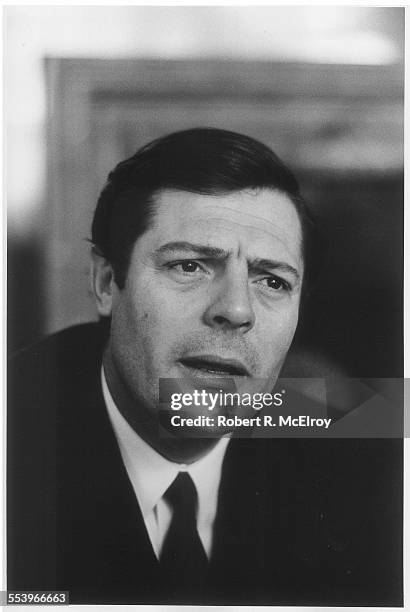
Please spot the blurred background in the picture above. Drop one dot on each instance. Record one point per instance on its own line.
(323, 86)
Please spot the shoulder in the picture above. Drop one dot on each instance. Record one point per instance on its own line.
(61, 371)
(71, 340)
(61, 353)
(50, 389)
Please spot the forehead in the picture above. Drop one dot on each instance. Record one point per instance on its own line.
(260, 222)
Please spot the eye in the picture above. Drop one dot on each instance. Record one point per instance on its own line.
(275, 283)
(188, 266)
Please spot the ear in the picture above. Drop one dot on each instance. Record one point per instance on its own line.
(102, 281)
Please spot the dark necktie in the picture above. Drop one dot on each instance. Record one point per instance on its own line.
(183, 562)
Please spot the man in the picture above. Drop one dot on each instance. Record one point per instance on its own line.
(202, 249)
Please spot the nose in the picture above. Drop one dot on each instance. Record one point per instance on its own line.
(231, 306)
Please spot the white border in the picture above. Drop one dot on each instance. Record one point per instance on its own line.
(109, 608)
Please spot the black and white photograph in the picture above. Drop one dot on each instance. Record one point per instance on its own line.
(205, 368)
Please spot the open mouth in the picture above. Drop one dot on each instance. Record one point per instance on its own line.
(214, 366)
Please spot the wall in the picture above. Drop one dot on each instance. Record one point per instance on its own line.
(313, 35)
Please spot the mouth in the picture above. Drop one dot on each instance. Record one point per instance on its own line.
(212, 365)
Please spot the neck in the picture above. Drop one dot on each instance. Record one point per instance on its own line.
(145, 422)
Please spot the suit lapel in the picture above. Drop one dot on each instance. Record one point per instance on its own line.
(102, 526)
(244, 535)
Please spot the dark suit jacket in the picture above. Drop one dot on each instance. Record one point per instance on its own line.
(299, 521)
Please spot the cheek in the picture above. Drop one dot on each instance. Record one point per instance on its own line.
(277, 332)
(129, 328)
(164, 313)
(152, 324)
(156, 321)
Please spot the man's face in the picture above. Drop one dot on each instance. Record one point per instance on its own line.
(212, 290)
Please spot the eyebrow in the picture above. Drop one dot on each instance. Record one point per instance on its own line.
(199, 249)
(282, 266)
(218, 253)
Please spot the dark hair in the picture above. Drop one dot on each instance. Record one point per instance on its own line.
(201, 160)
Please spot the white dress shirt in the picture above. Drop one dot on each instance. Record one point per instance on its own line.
(151, 475)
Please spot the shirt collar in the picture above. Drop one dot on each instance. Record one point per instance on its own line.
(151, 474)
